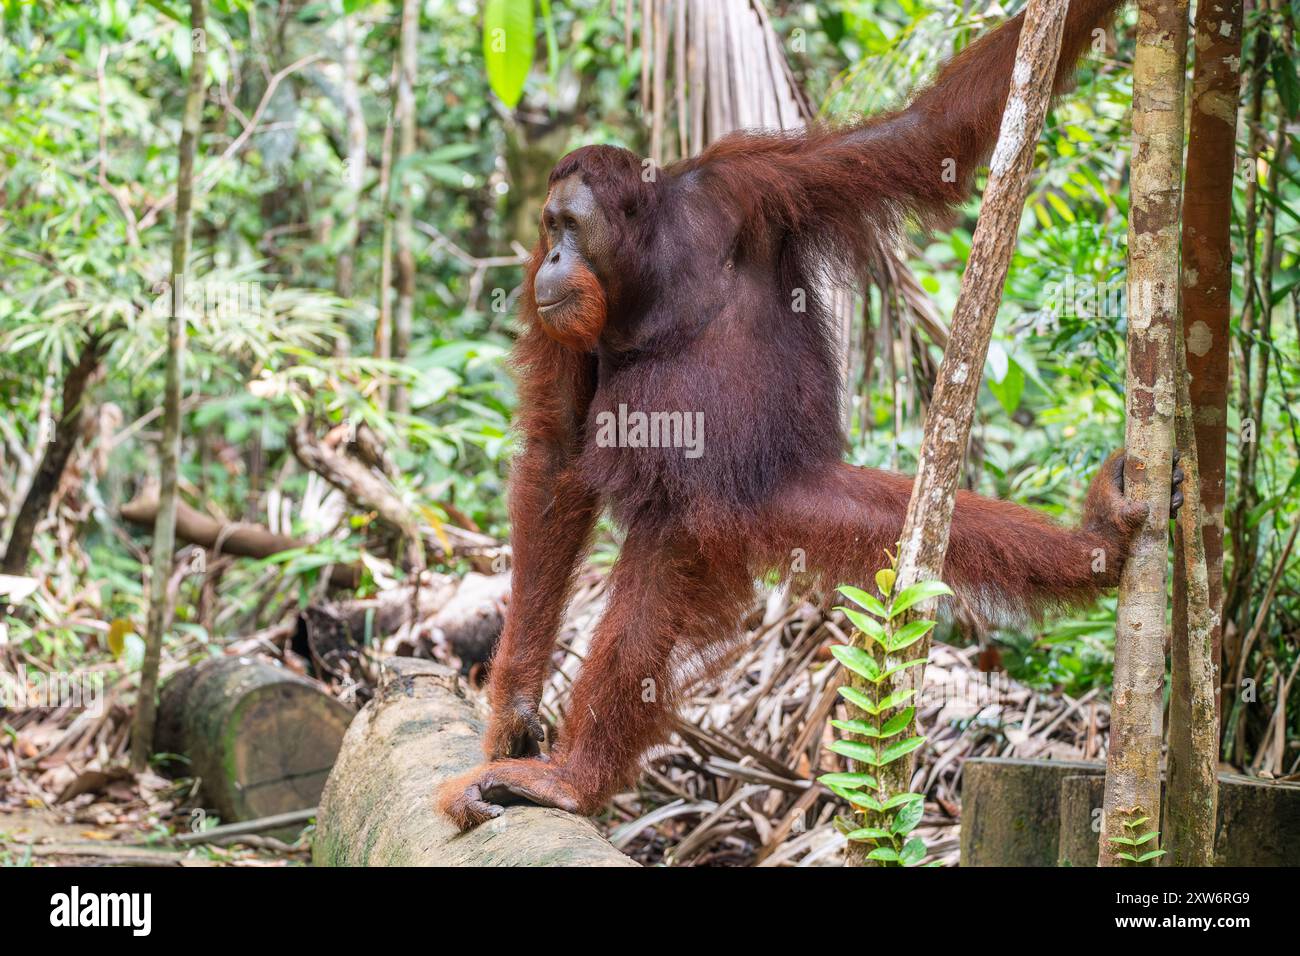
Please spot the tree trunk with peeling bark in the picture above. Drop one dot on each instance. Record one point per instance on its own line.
(1193, 793)
(1201, 431)
(164, 532)
(924, 541)
(1207, 285)
(1133, 758)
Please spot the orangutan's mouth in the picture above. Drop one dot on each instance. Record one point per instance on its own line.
(545, 306)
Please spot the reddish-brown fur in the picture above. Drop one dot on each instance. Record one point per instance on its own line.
(696, 316)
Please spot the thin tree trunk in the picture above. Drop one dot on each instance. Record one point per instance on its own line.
(54, 456)
(1207, 292)
(164, 533)
(1193, 793)
(924, 540)
(405, 233)
(1133, 759)
(1242, 560)
(355, 174)
(1204, 350)
(1263, 328)
(1256, 321)
(384, 323)
(1268, 260)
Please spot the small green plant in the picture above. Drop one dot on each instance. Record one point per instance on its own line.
(1134, 841)
(885, 731)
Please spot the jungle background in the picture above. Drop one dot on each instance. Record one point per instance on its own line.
(359, 231)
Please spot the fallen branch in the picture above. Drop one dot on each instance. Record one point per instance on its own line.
(369, 491)
(244, 827)
(242, 539)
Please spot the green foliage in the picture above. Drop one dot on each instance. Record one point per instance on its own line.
(888, 818)
(79, 150)
(508, 40)
(1135, 840)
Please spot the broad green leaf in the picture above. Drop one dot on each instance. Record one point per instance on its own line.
(913, 852)
(872, 628)
(857, 727)
(868, 833)
(841, 792)
(900, 749)
(1124, 841)
(906, 819)
(1062, 209)
(1149, 856)
(920, 591)
(909, 634)
(884, 853)
(1137, 823)
(898, 723)
(902, 667)
(896, 698)
(864, 800)
(848, 781)
(898, 799)
(863, 753)
(508, 42)
(1145, 838)
(857, 660)
(858, 699)
(863, 599)
(1012, 387)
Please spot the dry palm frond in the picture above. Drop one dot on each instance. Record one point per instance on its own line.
(735, 785)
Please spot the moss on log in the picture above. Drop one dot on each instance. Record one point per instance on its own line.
(378, 810)
(1009, 812)
(260, 739)
(1080, 823)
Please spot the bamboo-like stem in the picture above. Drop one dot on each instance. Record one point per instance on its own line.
(164, 532)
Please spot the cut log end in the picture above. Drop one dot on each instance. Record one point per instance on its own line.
(260, 739)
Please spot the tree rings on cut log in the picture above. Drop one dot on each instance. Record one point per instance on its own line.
(260, 739)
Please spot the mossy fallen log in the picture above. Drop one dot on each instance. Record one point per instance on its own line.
(378, 809)
(260, 739)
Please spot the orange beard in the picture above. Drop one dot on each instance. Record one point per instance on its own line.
(577, 323)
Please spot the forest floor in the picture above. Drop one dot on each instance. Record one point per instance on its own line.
(732, 787)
